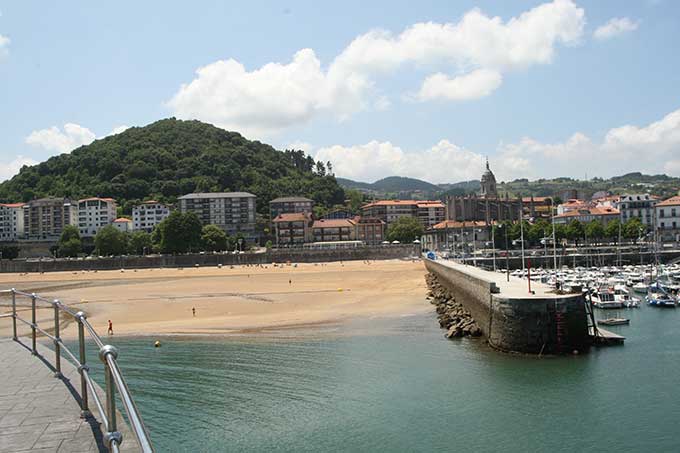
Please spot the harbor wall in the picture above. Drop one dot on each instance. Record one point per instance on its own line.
(550, 325)
(227, 259)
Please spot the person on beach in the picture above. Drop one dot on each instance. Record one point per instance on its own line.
(110, 331)
(193, 310)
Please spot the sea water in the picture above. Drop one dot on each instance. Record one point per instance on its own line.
(398, 385)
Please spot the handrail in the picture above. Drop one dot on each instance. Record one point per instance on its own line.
(108, 355)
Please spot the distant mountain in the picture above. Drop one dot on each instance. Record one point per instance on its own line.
(391, 184)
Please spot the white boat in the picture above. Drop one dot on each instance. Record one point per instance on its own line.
(640, 288)
(605, 299)
(661, 299)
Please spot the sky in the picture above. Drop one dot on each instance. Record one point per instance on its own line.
(426, 89)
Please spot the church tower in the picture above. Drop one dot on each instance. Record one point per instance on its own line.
(488, 183)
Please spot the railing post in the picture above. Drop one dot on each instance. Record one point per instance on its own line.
(14, 314)
(85, 411)
(34, 351)
(112, 435)
(57, 340)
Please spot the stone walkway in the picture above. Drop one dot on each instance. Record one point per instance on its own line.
(38, 412)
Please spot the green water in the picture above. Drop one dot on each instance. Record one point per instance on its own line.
(398, 385)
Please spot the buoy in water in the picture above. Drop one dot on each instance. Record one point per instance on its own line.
(157, 344)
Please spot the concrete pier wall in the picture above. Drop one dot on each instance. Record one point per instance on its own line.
(544, 324)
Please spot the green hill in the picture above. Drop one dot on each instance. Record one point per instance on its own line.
(391, 184)
(169, 158)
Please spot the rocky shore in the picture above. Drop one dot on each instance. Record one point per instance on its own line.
(451, 314)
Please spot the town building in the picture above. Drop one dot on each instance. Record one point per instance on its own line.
(389, 211)
(637, 205)
(487, 206)
(123, 224)
(370, 230)
(456, 236)
(289, 205)
(572, 205)
(148, 214)
(333, 230)
(537, 207)
(293, 228)
(94, 214)
(667, 213)
(340, 213)
(586, 215)
(11, 222)
(234, 212)
(45, 218)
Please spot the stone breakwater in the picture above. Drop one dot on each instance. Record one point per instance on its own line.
(452, 315)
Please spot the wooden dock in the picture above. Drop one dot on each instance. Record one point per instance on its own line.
(604, 337)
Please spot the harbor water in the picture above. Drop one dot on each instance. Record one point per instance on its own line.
(398, 385)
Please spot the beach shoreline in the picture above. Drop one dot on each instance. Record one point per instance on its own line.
(231, 300)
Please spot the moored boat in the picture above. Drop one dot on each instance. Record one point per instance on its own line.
(614, 321)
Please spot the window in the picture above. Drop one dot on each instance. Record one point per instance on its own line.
(661, 213)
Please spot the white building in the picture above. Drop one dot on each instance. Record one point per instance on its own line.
(668, 219)
(637, 205)
(234, 212)
(95, 213)
(11, 222)
(123, 224)
(148, 214)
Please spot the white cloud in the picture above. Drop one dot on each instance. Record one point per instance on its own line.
(615, 27)
(9, 169)
(54, 139)
(71, 137)
(118, 129)
(478, 49)
(443, 162)
(473, 85)
(654, 148)
(4, 44)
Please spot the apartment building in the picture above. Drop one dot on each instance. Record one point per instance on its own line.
(637, 205)
(293, 228)
(123, 224)
(45, 218)
(11, 222)
(290, 205)
(94, 214)
(668, 219)
(148, 214)
(370, 230)
(234, 212)
(429, 213)
(585, 215)
(333, 230)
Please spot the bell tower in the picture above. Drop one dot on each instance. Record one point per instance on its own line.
(488, 183)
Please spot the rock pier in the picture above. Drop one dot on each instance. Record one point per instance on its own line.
(452, 315)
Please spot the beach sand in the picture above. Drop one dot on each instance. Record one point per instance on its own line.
(228, 300)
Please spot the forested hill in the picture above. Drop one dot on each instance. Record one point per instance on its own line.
(170, 158)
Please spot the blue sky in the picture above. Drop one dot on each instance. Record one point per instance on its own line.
(422, 89)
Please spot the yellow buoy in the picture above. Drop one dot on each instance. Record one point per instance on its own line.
(157, 344)
(340, 289)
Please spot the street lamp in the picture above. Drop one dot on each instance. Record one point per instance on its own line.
(507, 252)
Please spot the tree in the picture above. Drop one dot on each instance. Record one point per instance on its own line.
(594, 230)
(612, 229)
(356, 200)
(214, 239)
(405, 229)
(179, 233)
(633, 228)
(69, 243)
(9, 252)
(575, 231)
(110, 241)
(139, 242)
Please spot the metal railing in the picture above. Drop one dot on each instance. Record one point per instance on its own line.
(107, 354)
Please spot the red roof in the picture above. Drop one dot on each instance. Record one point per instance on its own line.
(458, 224)
(333, 223)
(121, 220)
(12, 205)
(672, 201)
(292, 217)
(590, 211)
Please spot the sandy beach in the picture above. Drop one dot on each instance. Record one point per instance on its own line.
(227, 300)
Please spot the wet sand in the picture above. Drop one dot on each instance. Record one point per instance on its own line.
(227, 300)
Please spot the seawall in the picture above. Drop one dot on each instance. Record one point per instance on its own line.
(512, 319)
(228, 259)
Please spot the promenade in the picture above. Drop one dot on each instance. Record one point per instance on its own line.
(38, 412)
